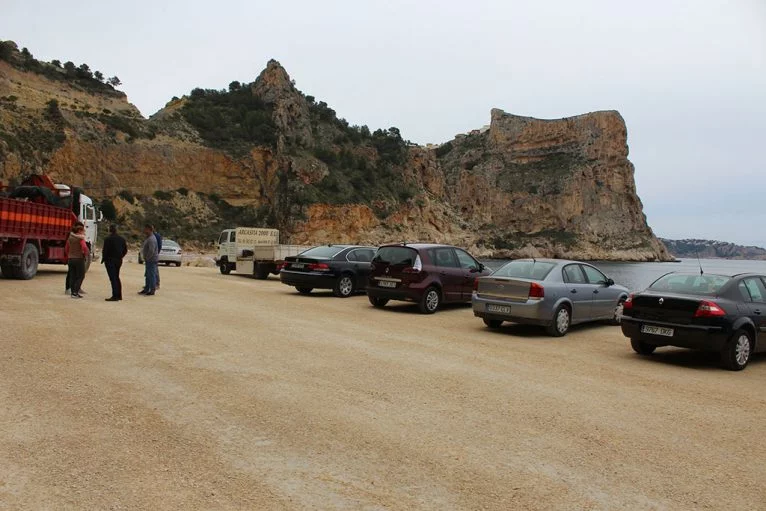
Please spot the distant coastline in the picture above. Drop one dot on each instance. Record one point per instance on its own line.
(712, 249)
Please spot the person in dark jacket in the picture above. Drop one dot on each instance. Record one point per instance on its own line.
(158, 236)
(115, 249)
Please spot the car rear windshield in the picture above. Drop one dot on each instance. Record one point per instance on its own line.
(690, 284)
(534, 270)
(323, 252)
(170, 243)
(395, 256)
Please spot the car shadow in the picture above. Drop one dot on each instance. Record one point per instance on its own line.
(691, 359)
(412, 308)
(536, 331)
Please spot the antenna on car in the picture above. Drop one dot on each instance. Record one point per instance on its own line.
(699, 262)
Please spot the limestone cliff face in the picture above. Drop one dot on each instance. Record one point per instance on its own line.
(523, 187)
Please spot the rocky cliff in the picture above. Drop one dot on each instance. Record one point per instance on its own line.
(263, 152)
(710, 249)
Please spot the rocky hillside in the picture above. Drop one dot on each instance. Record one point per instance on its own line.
(265, 153)
(709, 249)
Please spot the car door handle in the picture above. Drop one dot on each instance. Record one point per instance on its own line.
(595, 292)
(757, 311)
(573, 291)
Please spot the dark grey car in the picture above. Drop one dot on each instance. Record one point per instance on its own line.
(549, 292)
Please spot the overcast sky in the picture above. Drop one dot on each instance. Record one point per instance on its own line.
(688, 77)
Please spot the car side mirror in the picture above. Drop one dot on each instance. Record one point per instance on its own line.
(609, 282)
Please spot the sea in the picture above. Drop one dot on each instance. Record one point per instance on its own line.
(638, 276)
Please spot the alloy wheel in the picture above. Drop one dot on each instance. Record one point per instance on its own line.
(345, 286)
(562, 320)
(742, 350)
(432, 300)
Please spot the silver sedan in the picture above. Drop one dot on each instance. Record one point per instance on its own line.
(552, 293)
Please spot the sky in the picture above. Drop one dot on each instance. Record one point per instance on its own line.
(689, 77)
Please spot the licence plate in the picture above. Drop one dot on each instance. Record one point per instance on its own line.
(657, 330)
(386, 283)
(297, 266)
(504, 309)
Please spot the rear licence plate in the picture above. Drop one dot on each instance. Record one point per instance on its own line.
(386, 283)
(297, 266)
(657, 330)
(504, 309)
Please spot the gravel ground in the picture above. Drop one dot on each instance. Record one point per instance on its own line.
(223, 392)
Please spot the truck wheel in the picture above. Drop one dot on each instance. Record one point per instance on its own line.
(224, 267)
(8, 271)
(261, 272)
(29, 260)
(344, 286)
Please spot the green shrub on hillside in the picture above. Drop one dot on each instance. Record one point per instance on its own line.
(233, 121)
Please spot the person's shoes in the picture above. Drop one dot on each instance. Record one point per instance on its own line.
(150, 293)
(76, 296)
(143, 292)
(112, 299)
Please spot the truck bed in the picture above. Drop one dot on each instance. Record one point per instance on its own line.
(24, 219)
(277, 252)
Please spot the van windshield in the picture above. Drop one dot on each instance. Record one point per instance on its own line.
(395, 256)
(522, 269)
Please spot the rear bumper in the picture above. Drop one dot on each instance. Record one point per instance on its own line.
(533, 312)
(169, 258)
(406, 294)
(704, 338)
(304, 279)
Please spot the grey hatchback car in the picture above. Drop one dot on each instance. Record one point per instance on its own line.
(549, 292)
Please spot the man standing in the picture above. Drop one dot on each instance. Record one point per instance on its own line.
(68, 285)
(76, 251)
(150, 255)
(159, 249)
(114, 251)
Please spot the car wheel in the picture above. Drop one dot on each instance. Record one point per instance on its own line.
(641, 347)
(225, 268)
(562, 320)
(493, 323)
(738, 350)
(618, 311)
(430, 301)
(344, 287)
(304, 290)
(378, 302)
(178, 265)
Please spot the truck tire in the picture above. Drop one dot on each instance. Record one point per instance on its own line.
(261, 271)
(224, 267)
(8, 271)
(30, 258)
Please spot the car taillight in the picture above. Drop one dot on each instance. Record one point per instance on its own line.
(628, 304)
(318, 267)
(708, 309)
(281, 266)
(536, 291)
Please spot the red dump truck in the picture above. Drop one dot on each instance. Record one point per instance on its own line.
(35, 220)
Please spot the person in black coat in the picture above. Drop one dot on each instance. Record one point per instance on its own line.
(114, 251)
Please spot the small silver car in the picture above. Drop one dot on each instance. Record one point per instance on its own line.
(552, 293)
